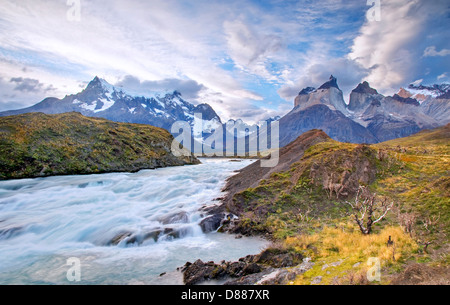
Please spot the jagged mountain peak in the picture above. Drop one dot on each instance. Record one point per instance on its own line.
(332, 98)
(364, 87)
(207, 112)
(407, 100)
(307, 90)
(96, 83)
(329, 84)
(99, 86)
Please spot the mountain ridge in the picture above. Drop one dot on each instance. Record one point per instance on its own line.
(369, 117)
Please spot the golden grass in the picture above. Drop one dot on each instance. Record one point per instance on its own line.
(351, 250)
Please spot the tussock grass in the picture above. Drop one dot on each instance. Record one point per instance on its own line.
(341, 253)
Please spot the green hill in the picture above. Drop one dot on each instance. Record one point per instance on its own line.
(303, 204)
(37, 145)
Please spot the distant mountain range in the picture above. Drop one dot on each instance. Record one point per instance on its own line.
(101, 99)
(368, 118)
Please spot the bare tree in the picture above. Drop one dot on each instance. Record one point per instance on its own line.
(367, 210)
(431, 222)
(407, 221)
(425, 245)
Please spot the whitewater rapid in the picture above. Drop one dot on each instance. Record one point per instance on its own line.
(45, 221)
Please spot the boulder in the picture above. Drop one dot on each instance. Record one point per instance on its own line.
(212, 223)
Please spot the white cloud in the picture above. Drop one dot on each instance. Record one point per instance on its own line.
(417, 82)
(431, 52)
(389, 48)
(442, 76)
(149, 40)
(190, 89)
(250, 49)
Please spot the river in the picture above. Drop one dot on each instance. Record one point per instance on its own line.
(46, 221)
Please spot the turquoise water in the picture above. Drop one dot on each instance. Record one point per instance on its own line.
(46, 221)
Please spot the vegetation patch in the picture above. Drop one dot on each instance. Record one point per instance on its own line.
(38, 145)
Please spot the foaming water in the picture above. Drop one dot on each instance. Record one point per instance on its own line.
(124, 228)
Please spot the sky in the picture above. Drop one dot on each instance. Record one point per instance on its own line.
(247, 59)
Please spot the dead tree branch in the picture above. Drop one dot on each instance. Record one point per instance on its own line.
(367, 210)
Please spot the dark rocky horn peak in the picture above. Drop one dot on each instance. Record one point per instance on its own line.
(207, 112)
(364, 87)
(408, 100)
(307, 90)
(331, 83)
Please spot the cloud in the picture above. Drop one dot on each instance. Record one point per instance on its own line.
(431, 52)
(30, 85)
(234, 54)
(442, 76)
(190, 89)
(152, 41)
(348, 72)
(19, 92)
(250, 49)
(390, 48)
(417, 82)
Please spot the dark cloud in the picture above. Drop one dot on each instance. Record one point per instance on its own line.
(30, 85)
(9, 98)
(190, 89)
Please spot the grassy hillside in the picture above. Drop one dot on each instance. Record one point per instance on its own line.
(305, 207)
(36, 145)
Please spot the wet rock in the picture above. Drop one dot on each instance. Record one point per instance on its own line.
(118, 238)
(169, 232)
(181, 217)
(268, 267)
(197, 272)
(251, 269)
(133, 239)
(211, 223)
(235, 269)
(152, 235)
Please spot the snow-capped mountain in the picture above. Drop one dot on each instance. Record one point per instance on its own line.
(369, 117)
(101, 99)
(421, 92)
